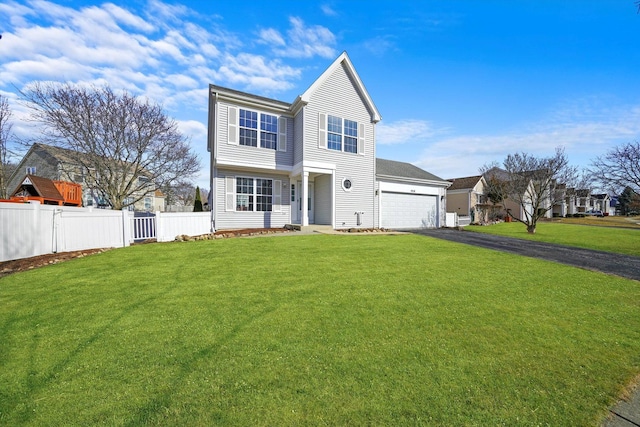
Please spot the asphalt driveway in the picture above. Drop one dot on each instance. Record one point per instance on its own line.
(621, 265)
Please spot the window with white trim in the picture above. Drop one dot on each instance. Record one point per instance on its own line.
(266, 136)
(244, 194)
(268, 131)
(31, 170)
(254, 194)
(248, 128)
(342, 134)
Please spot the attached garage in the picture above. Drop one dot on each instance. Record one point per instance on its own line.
(401, 210)
(409, 197)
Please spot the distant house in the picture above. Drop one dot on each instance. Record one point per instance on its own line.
(601, 202)
(513, 208)
(563, 199)
(466, 197)
(312, 161)
(583, 202)
(57, 164)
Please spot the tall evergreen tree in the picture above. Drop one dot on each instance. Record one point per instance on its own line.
(197, 204)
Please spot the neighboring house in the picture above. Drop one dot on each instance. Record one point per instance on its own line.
(311, 161)
(601, 202)
(562, 199)
(56, 164)
(614, 206)
(583, 202)
(515, 209)
(466, 198)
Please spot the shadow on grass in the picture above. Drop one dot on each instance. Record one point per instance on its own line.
(146, 413)
(22, 407)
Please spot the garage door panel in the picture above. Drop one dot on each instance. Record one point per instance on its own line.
(402, 210)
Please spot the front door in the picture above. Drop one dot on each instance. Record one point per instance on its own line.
(310, 202)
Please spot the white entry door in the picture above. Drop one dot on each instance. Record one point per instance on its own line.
(310, 202)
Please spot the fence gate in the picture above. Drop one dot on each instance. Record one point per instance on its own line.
(143, 226)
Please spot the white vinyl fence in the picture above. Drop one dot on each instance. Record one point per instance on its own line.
(33, 229)
(452, 219)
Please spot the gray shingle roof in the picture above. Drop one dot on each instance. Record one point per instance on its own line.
(394, 168)
(464, 183)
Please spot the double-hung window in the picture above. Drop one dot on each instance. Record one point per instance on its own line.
(342, 134)
(268, 131)
(334, 129)
(264, 195)
(266, 136)
(244, 194)
(254, 194)
(350, 136)
(248, 128)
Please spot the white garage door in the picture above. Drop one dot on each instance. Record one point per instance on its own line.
(401, 210)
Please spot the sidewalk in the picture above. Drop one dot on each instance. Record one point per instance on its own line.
(626, 413)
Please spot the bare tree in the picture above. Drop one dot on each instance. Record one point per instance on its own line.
(531, 183)
(6, 168)
(180, 193)
(618, 168)
(495, 189)
(127, 147)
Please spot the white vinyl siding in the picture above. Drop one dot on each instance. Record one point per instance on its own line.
(230, 151)
(227, 217)
(338, 96)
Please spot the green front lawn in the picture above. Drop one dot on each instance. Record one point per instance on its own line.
(314, 330)
(608, 239)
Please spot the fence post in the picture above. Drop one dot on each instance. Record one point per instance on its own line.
(159, 227)
(126, 228)
(34, 238)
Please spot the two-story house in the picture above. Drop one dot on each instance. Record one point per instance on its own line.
(58, 164)
(466, 198)
(311, 161)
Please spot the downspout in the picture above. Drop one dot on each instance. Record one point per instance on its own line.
(213, 148)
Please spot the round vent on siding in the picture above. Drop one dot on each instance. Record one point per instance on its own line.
(347, 183)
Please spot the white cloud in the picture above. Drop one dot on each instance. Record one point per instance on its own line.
(302, 41)
(255, 73)
(405, 131)
(271, 36)
(585, 132)
(328, 10)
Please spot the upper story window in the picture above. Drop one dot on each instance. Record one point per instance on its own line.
(248, 128)
(268, 131)
(249, 135)
(334, 128)
(31, 170)
(342, 135)
(256, 129)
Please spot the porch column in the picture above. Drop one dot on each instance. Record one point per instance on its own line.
(305, 199)
(333, 199)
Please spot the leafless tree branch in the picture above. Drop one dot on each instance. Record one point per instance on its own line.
(127, 146)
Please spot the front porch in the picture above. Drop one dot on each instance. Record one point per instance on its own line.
(312, 197)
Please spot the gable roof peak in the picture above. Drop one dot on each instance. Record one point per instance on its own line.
(343, 59)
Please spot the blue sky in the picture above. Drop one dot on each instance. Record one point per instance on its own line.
(458, 83)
